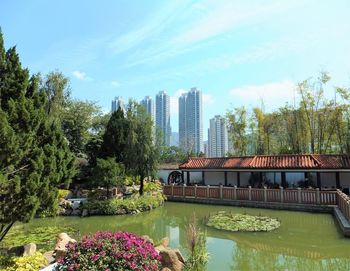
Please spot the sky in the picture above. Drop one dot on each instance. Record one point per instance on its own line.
(239, 53)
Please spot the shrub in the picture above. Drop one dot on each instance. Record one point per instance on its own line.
(28, 263)
(125, 206)
(63, 193)
(110, 251)
(152, 187)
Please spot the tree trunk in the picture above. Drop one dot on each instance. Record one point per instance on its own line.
(5, 230)
(141, 185)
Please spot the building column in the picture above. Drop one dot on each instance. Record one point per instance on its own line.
(318, 178)
(306, 178)
(283, 179)
(238, 179)
(183, 176)
(203, 177)
(225, 178)
(337, 180)
(188, 178)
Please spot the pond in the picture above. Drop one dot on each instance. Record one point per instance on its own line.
(305, 241)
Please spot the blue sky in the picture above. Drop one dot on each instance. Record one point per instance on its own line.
(237, 52)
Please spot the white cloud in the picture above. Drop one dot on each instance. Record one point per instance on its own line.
(272, 94)
(81, 76)
(115, 84)
(207, 99)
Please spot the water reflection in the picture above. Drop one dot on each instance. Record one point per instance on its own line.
(303, 242)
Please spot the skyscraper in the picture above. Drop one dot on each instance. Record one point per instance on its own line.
(217, 137)
(163, 116)
(191, 121)
(116, 103)
(148, 104)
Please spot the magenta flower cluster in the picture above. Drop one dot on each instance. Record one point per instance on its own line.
(110, 251)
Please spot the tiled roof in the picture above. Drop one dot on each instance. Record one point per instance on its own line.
(298, 161)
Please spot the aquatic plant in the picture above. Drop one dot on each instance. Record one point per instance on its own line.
(196, 247)
(242, 222)
(110, 251)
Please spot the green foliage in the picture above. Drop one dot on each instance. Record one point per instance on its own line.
(242, 222)
(77, 120)
(63, 193)
(316, 125)
(172, 154)
(152, 187)
(129, 139)
(136, 203)
(196, 247)
(43, 237)
(108, 173)
(27, 263)
(34, 156)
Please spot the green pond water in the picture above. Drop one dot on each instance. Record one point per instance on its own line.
(305, 241)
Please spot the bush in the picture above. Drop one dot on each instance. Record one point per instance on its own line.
(110, 251)
(125, 206)
(152, 187)
(28, 263)
(63, 193)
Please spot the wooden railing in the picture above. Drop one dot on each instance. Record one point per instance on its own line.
(343, 202)
(302, 196)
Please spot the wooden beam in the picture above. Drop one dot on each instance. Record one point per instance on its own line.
(318, 178)
(188, 178)
(203, 177)
(337, 180)
(238, 179)
(225, 178)
(283, 179)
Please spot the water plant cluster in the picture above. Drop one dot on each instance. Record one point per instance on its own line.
(43, 237)
(242, 222)
(110, 251)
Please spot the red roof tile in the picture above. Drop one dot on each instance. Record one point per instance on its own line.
(302, 161)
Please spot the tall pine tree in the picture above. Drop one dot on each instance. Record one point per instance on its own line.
(34, 156)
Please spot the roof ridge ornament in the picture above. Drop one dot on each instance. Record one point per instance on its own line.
(316, 160)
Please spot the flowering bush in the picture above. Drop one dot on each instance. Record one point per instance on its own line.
(108, 251)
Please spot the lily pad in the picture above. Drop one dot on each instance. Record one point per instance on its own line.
(242, 222)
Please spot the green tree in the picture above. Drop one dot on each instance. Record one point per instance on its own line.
(237, 126)
(34, 156)
(172, 154)
(107, 173)
(115, 136)
(142, 155)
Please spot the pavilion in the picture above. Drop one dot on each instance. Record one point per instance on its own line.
(306, 170)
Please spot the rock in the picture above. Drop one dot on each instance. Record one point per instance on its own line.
(166, 269)
(165, 242)
(169, 258)
(25, 250)
(85, 213)
(29, 249)
(76, 212)
(147, 239)
(49, 256)
(94, 212)
(62, 240)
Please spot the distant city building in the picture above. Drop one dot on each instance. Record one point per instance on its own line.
(116, 103)
(206, 148)
(163, 116)
(217, 137)
(191, 121)
(148, 104)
